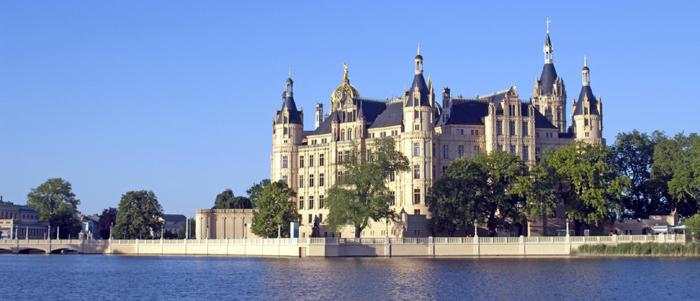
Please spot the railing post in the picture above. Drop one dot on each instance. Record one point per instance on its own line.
(521, 241)
(477, 246)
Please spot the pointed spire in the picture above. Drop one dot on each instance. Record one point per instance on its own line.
(585, 61)
(430, 82)
(419, 62)
(548, 49)
(418, 49)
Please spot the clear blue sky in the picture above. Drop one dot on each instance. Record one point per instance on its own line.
(178, 97)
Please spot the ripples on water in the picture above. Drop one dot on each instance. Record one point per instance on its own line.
(77, 277)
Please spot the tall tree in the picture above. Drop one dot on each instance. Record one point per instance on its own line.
(226, 200)
(633, 156)
(274, 209)
(457, 199)
(541, 188)
(361, 195)
(255, 191)
(107, 219)
(594, 187)
(57, 205)
(677, 163)
(139, 215)
(503, 205)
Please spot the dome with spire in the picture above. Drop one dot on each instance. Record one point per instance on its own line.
(345, 89)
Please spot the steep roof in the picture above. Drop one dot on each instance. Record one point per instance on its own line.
(419, 82)
(586, 95)
(472, 112)
(391, 116)
(547, 78)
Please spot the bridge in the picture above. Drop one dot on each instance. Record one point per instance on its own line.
(45, 246)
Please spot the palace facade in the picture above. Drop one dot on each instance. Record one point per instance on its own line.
(428, 133)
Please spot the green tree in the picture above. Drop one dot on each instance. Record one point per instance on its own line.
(139, 215)
(677, 163)
(57, 205)
(693, 226)
(541, 188)
(107, 219)
(226, 200)
(274, 209)
(457, 198)
(255, 191)
(594, 189)
(633, 156)
(360, 194)
(503, 204)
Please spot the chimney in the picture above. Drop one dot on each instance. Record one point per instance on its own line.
(319, 114)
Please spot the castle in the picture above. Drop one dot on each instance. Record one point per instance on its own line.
(429, 134)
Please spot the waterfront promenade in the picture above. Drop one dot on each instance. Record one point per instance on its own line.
(335, 247)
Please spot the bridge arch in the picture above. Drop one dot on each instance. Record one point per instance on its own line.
(31, 251)
(65, 250)
(6, 251)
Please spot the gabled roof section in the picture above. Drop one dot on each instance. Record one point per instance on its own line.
(468, 112)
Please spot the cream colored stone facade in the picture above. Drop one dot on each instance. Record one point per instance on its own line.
(224, 223)
(430, 135)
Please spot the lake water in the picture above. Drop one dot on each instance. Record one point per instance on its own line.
(76, 277)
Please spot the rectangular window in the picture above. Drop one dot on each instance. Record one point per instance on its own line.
(460, 151)
(512, 149)
(382, 134)
(301, 181)
(321, 204)
(511, 126)
(320, 218)
(311, 160)
(285, 162)
(392, 198)
(499, 147)
(416, 171)
(301, 203)
(311, 202)
(526, 153)
(416, 212)
(310, 219)
(499, 128)
(285, 179)
(321, 180)
(525, 131)
(311, 180)
(445, 151)
(346, 155)
(416, 149)
(392, 176)
(301, 161)
(340, 158)
(416, 196)
(416, 115)
(477, 149)
(321, 160)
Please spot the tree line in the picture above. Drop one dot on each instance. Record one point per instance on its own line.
(639, 175)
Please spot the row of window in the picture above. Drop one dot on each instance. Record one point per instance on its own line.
(525, 155)
(311, 202)
(511, 126)
(323, 141)
(383, 134)
(460, 150)
(312, 181)
(312, 162)
(461, 132)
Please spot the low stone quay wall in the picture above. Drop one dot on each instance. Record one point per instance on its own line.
(336, 247)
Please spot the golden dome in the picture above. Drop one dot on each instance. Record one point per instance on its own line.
(345, 89)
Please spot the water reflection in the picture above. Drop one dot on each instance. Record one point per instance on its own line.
(202, 278)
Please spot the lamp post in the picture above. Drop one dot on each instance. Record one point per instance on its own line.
(567, 226)
(476, 232)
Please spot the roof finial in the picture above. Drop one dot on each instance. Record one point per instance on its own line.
(585, 60)
(290, 71)
(418, 49)
(548, 23)
(345, 73)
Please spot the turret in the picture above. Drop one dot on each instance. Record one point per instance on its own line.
(588, 111)
(287, 135)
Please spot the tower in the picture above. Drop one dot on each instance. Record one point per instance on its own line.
(287, 134)
(417, 139)
(318, 118)
(588, 111)
(549, 95)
